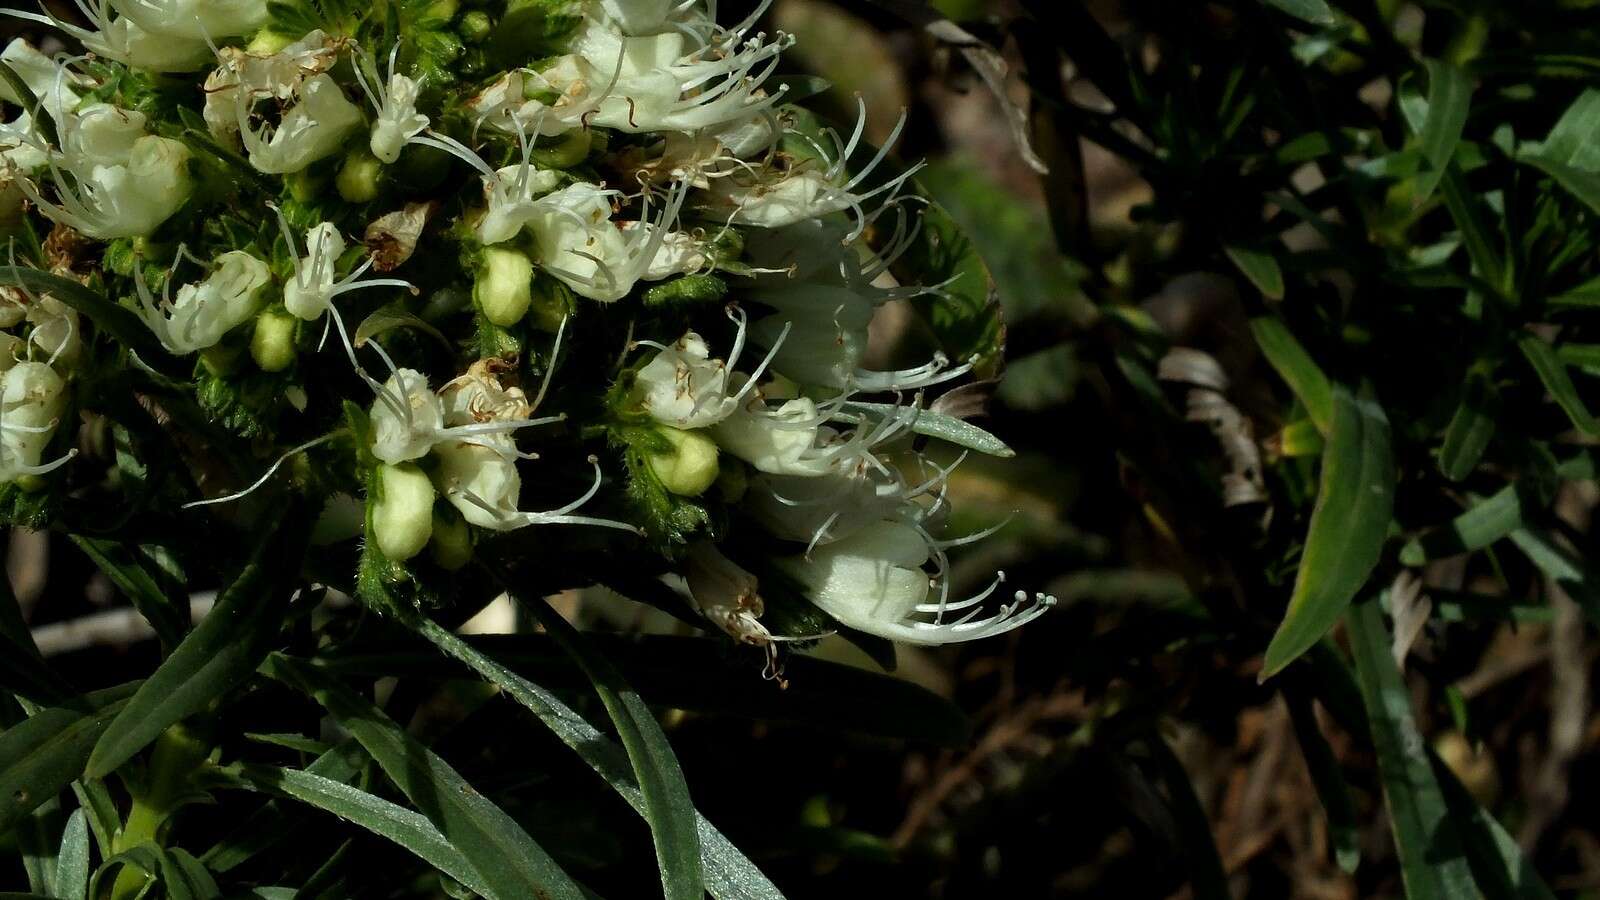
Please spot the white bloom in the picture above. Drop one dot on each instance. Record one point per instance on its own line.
(510, 193)
(409, 420)
(785, 441)
(725, 594)
(640, 79)
(110, 187)
(204, 311)
(316, 126)
(684, 387)
(55, 330)
(49, 81)
(310, 292)
(481, 481)
(32, 398)
(576, 241)
(874, 581)
(252, 77)
(122, 39)
(396, 105)
(195, 19)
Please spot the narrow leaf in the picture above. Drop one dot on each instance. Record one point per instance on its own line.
(1584, 186)
(1449, 95)
(1470, 428)
(409, 829)
(43, 754)
(1487, 521)
(1433, 864)
(1355, 500)
(667, 806)
(1553, 373)
(72, 864)
(221, 652)
(513, 866)
(1259, 267)
(1295, 366)
(937, 425)
(729, 875)
(114, 320)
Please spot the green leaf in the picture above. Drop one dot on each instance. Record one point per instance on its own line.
(1497, 862)
(1344, 830)
(410, 830)
(1553, 373)
(396, 316)
(1314, 11)
(946, 428)
(965, 314)
(667, 807)
(1584, 186)
(1486, 522)
(119, 562)
(1355, 501)
(1295, 366)
(43, 754)
(122, 324)
(1471, 427)
(1575, 139)
(728, 874)
(222, 652)
(270, 824)
(1561, 565)
(72, 863)
(691, 673)
(1259, 267)
(1433, 864)
(512, 865)
(1449, 96)
(23, 670)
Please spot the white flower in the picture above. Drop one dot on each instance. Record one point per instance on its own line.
(510, 193)
(396, 105)
(32, 398)
(122, 39)
(113, 182)
(725, 594)
(785, 441)
(310, 292)
(827, 301)
(409, 420)
(642, 78)
(316, 126)
(251, 77)
(807, 189)
(873, 581)
(481, 481)
(51, 83)
(684, 387)
(204, 311)
(576, 241)
(195, 19)
(55, 330)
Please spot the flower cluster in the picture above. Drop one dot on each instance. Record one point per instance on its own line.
(482, 204)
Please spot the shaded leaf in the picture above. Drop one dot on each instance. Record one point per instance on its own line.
(1259, 267)
(1296, 367)
(1553, 372)
(1355, 500)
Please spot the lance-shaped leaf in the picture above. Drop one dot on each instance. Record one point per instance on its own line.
(1553, 372)
(222, 651)
(43, 754)
(122, 324)
(1295, 366)
(1433, 863)
(512, 864)
(1355, 501)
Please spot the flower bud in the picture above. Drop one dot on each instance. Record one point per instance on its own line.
(503, 289)
(689, 467)
(451, 546)
(402, 514)
(475, 26)
(272, 345)
(358, 177)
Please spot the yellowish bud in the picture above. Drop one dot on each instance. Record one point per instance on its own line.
(272, 345)
(690, 466)
(402, 514)
(503, 289)
(452, 541)
(358, 177)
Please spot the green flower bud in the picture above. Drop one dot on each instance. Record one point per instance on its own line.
(566, 150)
(272, 345)
(452, 540)
(690, 466)
(220, 360)
(359, 176)
(503, 290)
(442, 10)
(475, 26)
(402, 514)
(306, 187)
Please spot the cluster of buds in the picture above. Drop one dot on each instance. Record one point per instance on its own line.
(471, 194)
